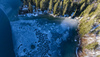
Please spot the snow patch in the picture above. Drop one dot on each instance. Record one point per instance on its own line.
(32, 14)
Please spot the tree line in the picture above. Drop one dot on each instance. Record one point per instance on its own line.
(59, 7)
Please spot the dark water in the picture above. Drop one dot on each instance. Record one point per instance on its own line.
(8, 9)
(6, 43)
(69, 47)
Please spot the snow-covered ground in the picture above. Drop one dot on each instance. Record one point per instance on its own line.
(39, 37)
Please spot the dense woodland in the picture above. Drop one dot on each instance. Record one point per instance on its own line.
(59, 7)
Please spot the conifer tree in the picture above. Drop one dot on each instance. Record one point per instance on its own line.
(33, 1)
(60, 5)
(55, 8)
(44, 4)
(55, 1)
(59, 1)
(37, 3)
(71, 0)
(60, 8)
(29, 1)
(64, 2)
(82, 7)
(41, 5)
(65, 9)
(30, 8)
(50, 5)
(24, 3)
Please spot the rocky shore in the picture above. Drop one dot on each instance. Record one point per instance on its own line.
(89, 46)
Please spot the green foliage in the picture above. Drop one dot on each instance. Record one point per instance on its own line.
(30, 8)
(65, 9)
(74, 12)
(71, 0)
(71, 8)
(55, 1)
(82, 1)
(92, 46)
(24, 3)
(55, 8)
(98, 8)
(64, 3)
(96, 11)
(37, 3)
(85, 26)
(90, 1)
(42, 4)
(87, 10)
(60, 8)
(28, 1)
(50, 5)
(82, 7)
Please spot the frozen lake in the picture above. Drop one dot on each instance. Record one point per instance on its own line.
(43, 37)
